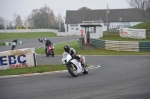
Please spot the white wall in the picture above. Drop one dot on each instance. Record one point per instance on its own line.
(112, 25)
(74, 28)
(68, 34)
(27, 30)
(98, 34)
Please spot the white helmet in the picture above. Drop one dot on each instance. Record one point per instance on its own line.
(45, 38)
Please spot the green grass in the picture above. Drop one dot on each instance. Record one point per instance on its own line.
(144, 25)
(37, 69)
(2, 44)
(26, 35)
(114, 36)
(94, 51)
(58, 49)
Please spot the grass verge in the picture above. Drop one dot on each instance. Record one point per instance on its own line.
(37, 69)
(144, 25)
(94, 51)
(2, 44)
(26, 35)
(114, 36)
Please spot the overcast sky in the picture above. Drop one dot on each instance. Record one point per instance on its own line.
(25, 7)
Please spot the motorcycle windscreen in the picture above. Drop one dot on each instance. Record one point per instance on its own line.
(65, 55)
(68, 58)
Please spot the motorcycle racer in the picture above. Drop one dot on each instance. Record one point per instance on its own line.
(73, 53)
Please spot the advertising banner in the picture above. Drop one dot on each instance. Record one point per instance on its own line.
(19, 58)
(133, 33)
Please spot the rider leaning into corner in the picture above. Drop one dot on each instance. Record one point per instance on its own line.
(14, 43)
(47, 43)
(73, 53)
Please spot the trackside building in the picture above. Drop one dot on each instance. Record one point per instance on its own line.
(110, 18)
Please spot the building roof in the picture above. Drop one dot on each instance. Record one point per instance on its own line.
(127, 15)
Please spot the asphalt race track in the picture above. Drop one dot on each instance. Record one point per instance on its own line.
(119, 77)
(33, 42)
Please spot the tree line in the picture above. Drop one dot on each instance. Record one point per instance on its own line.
(45, 18)
(42, 18)
(144, 5)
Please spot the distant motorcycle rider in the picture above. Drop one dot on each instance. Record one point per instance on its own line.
(40, 40)
(48, 43)
(14, 44)
(45, 38)
(73, 53)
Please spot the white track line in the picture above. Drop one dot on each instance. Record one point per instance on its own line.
(44, 73)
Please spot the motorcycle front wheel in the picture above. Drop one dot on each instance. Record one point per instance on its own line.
(47, 54)
(72, 70)
(52, 54)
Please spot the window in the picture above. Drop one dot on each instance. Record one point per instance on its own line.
(73, 25)
(92, 29)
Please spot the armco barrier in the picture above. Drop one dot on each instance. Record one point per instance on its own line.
(121, 45)
(98, 43)
(144, 46)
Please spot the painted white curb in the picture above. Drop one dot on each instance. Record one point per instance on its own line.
(44, 73)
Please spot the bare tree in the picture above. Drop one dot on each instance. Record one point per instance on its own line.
(43, 18)
(51, 19)
(17, 20)
(10, 25)
(59, 20)
(2, 23)
(141, 4)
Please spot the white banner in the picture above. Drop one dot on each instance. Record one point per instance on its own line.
(19, 58)
(133, 33)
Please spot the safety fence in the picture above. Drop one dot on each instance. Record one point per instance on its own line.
(121, 45)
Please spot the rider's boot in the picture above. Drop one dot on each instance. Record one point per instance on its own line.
(82, 64)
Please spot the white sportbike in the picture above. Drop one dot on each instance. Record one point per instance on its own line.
(73, 65)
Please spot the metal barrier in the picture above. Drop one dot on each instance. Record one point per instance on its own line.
(121, 45)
